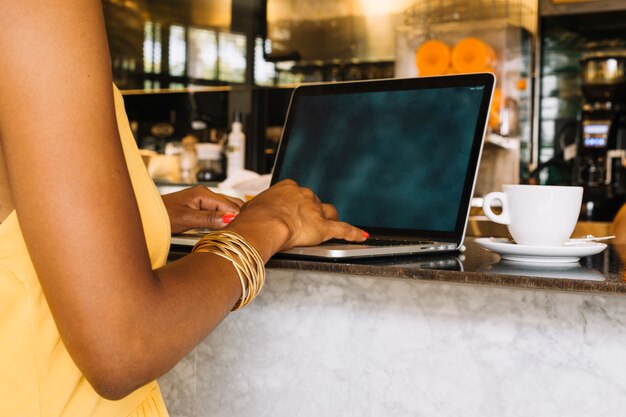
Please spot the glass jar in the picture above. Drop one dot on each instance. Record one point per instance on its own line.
(210, 166)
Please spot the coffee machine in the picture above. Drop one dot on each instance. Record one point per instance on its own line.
(600, 165)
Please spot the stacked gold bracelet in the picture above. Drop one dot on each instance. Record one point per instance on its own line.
(244, 257)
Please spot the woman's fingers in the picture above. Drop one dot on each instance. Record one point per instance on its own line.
(238, 201)
(330, 212)
(199, 207)
(211, 219)
(306, 219)
(208, 200)
(345, 231)
(308, 193)
(285, 182)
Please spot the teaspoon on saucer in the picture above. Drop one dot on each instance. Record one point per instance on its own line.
(588, 238)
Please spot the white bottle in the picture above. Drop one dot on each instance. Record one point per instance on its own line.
(236, 148)
(188, 160)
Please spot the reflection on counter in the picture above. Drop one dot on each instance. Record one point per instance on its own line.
(562, 271)
(600, 273)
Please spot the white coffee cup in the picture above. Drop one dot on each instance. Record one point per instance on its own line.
(539, 215)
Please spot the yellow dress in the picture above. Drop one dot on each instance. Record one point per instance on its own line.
(37, 375)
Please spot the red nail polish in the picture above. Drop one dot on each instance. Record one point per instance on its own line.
(228, 217)
(365, 234)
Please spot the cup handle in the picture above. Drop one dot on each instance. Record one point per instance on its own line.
(502, 218)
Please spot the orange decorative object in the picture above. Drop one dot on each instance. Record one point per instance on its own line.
(497, 98)
(472, 55)
(489, 69)
(494, 112)
(494, 120)
(433, 58)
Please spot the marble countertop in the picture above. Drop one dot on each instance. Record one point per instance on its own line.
(601, 273)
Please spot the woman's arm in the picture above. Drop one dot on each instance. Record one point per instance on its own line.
(123, 323)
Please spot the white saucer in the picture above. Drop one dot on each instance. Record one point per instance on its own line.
(511, 251)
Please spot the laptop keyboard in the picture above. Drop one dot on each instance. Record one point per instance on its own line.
(382, 242)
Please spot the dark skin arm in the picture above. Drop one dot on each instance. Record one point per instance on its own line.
(123, 323)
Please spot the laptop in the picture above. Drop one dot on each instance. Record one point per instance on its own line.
(398, 158)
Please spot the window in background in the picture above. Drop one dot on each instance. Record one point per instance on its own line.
(232, 57)
(177, 51)
(152, 48)
(264, 72)
(200, 54)
(203, 54)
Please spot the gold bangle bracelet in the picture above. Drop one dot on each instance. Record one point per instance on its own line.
(244, 257)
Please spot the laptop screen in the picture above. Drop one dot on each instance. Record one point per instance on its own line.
(391, 155)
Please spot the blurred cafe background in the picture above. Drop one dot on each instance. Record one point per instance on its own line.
(190, 68)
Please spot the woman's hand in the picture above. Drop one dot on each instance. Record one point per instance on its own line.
(300, 218)
(199, 207)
